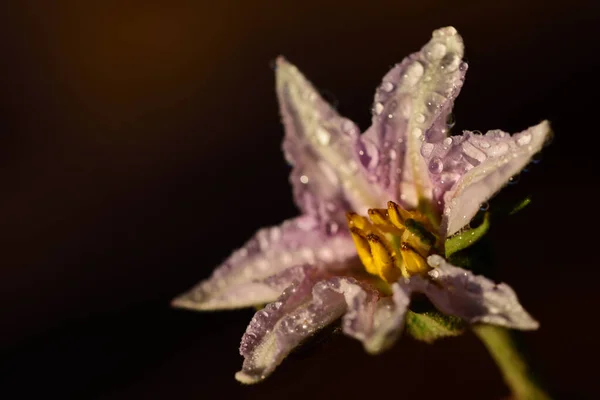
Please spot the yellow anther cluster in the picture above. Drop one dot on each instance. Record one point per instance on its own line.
(392, 242)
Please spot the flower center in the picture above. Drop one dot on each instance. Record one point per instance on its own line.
(393, 242)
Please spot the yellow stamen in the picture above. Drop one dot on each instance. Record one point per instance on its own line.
(364, 250)
(383, 258)
(392, 242)
(378, 216)
(357, 221)
(397, 215)
(413, 261)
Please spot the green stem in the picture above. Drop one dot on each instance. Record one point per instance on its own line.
(517, 374)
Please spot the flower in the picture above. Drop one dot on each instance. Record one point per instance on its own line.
(311, 270)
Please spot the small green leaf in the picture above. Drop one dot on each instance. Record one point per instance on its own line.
(521, 205)
(429, 326)
(466, 238)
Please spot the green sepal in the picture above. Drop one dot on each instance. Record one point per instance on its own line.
(430, 326)
(466, 238)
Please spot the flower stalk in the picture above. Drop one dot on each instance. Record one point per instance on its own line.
(513, 365)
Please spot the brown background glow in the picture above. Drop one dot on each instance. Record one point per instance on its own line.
(140, 144)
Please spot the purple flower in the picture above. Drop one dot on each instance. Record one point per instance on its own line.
(312, 270)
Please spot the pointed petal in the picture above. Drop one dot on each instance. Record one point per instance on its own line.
(276, 330)
(467, 170)
(385, 322)
(474, 298)
(258, 272)
(411, 105)
(328, 175)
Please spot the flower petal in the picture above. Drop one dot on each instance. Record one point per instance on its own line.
(409, 104)
(467, 170)
(474, 298)
(385, 323)
(328, 175)
(276, 330)
(258, 272)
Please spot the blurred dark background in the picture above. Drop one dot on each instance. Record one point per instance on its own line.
(132, 133)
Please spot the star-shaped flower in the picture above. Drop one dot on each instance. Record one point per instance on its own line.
(417, 185)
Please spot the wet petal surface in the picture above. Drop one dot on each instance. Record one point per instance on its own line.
(474, 298)
(409, 104)
(255, 274)
(469, 169)
(329, 173)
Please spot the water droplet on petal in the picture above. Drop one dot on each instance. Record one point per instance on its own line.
(420, 118)
(427, 149)
(484, 206)
(450, 121)
(331, 228)
(434, 273)
(387, 86)
(304, 179)
(447, 142)
(524, 139)
(484, 145)
(436, 165)
(514, 179)
(393, 154)
(417, 133)
(368, 154)
(413, 73)
(435, 51)
(378, 108)
(323, 137)
(450, 62)
(349, 128)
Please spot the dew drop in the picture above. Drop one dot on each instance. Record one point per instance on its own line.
(323, 137)
(427, 149)
(332, 228)
(524, 139)
(368, 154)
(484, 206)
(435, 51)
(450, 121)
(378, 108)
(514, 179)
(420, 118)
(393, 154)
(304, 179)
(450, 62)
(349, 128)
(413, 74)
(417, 133)
(434, 273)
(484, 145)
(447, 142)
(436, 165)
(387, 86)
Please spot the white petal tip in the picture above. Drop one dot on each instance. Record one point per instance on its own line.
(184, 302)
(246, 379)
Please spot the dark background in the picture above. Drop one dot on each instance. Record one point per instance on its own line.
(140, 144)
